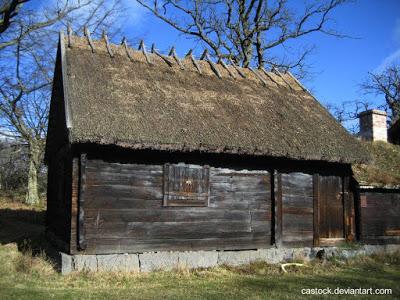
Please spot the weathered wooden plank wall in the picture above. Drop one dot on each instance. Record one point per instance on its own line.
(297, 209)
(312, 209)
(380, 217)
(124, 212)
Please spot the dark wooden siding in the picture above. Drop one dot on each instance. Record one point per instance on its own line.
(380, 217)
(123, 211)
(297, 209)
(58, 213)
(310, 209)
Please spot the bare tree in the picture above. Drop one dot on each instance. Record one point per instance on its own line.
(346, 113)
(27, 53)
(247, 31)
(8, 11)
(386, 83)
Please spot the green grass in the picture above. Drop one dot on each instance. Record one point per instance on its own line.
(28, 274)
(384, 169)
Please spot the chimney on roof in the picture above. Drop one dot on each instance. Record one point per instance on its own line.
(373, 125)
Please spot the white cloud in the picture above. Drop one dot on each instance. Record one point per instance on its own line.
(394, 56)
(390, 59)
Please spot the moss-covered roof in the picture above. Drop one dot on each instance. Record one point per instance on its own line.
(129, 102)
(384, 169)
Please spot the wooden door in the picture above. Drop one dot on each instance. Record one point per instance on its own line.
(295, 210)
(331, 209)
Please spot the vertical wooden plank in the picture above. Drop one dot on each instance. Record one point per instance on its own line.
(274, 183)
(166, 188)
(206, 170)
(341, 209)
(74, 206)
(278, 209)
(337, 226)
(347, 220)
(322, 230)
(316, 198)
(352, 214)
(357, 213)
(82, 187)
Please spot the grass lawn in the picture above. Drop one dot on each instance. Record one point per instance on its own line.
(25, 273)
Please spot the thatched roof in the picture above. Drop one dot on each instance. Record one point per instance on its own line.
(113, 98)
(383, 171)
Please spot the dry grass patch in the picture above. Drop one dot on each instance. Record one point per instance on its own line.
(27, 273)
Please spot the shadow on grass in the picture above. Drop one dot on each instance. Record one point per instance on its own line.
(25, 227)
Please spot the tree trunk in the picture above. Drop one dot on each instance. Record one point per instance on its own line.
(395, 111)
(32, 195)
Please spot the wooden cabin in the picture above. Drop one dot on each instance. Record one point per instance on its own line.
(150, 152)
(378, 194)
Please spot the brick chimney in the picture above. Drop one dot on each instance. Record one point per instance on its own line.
(373, 125)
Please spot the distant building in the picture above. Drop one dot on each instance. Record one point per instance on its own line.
(378, 182)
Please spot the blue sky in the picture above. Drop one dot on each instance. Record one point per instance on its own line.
(339, 65)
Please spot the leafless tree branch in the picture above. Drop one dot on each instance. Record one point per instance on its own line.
(246, 30)
(27, 51)
(387, 84)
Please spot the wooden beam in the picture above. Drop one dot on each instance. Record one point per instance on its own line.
(205, 56)
(258, 76)
(73, 244)
(357, 212)
(277, 72)
(172, 53)
(166, 60)
(89, 39)
(348, 210)
(190, 55)
(298, 82)
(236, 68)
(69, 34)
(278, 208)
(143, 48)
(82, 186)
(269, 76)
(316, 199)
(65, 85)
(125, 44)
(109, 50)
(222, 63)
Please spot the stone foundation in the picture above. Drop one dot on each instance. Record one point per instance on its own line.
(153, 261)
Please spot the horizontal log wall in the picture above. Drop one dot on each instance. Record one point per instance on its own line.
(124, 212)
(380, 217)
